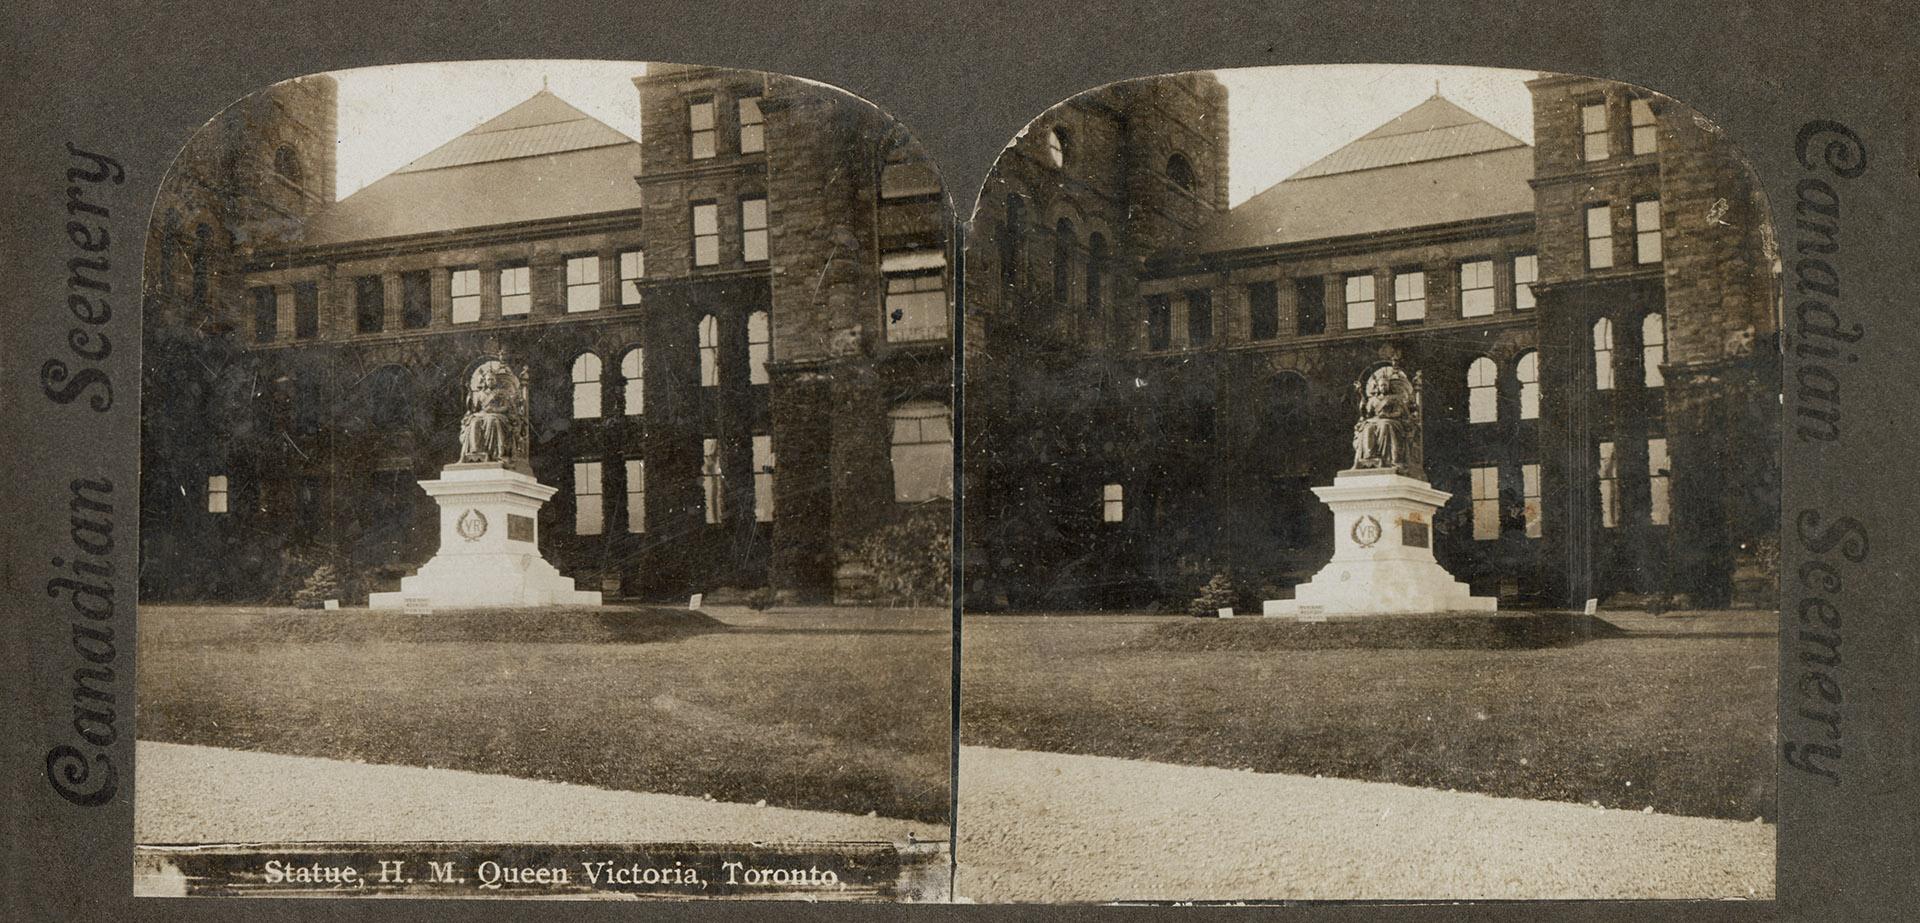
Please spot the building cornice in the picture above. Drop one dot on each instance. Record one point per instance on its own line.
(1355, 244)
(381, 247)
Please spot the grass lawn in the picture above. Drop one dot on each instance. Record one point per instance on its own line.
(833, 709)
(1681, 723)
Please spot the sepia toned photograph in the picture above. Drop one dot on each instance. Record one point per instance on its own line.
(1372, 484)
(547, 476)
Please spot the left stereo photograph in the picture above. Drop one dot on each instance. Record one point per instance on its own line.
(547, 474)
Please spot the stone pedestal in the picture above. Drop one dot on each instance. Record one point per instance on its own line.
(1382, 553)
(489, 546)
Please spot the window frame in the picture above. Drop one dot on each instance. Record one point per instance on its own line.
(1649, 129)
(1647, 248)
(582, 293)
(759, 347)
(902, 454)
(754, 238)
(594, 476)
(708, 340)
(1659, 481)
(713, 482)
(710, 255)
(709, 133)
(764, 463)
(1113, 504)
(1369, 301)
(1599, 246)
(219, 494)
(1478, 266)
(1483, 398)
(636, 496)
(1653, 350)
(633, 382)
(588, 376)
(1607, 480)
(631, 271)
(1419, 287)
(1484, 497)
(1605, 344)
(899, 331)
(457, 299)
(1588, 133)
(1528, 390)
(515, 301)
(750, 134)
(1532, 277)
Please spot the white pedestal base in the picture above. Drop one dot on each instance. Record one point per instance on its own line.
(1382, 554)
(489, 546)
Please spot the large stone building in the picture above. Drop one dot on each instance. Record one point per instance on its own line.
(735, 329)
(1166, 378)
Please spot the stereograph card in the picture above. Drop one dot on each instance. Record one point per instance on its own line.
(1323, 462)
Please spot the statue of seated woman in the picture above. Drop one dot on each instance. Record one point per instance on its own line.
(488, 429)
(1388, 434)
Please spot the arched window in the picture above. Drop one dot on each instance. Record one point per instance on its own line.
(709, 352)
(287, 163)
(1482, 403)
(1096, 261)
(586, 386)
(1063, 262)
(759, 347)
(633, 393)
(1527, 370)
(1012, 242)
(1180, 171)
(1653, 348)
(1059, 147)
(922, 451)
(1603, 355)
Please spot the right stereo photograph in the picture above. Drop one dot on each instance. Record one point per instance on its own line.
(1371, 492)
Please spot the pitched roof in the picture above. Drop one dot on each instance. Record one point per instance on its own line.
(541, 159)
(1433, 164)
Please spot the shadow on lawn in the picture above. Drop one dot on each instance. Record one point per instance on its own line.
(1453, 631)
(555, 625)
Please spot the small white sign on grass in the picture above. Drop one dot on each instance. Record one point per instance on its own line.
(693, 602)
(1593, 606)
(330, 604)
(419, 605)
(1226, 612)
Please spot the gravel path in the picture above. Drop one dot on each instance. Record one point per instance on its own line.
(190, 794)
(1055, 827)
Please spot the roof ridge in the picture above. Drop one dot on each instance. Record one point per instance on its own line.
(481, 129)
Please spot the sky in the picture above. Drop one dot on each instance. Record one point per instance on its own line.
(389, 116)
(1280, 118)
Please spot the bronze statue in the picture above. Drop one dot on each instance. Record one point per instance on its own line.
(1389, 433)
(495, 426)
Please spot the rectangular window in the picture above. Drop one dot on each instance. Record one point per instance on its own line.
(922, 452)
(1526, 271)
(216, 493)
(633, 266)
(1603, 355)
(1609, 487)
(636, 496)
(916, 306)
(1263, 310)
(1646, 138)
(1409, 297)
(1530, 493)
(1653, 350)
(516, 291)
(1476, 288)
(1113, 506)
(588, 505)
(759, 347)
(753, 229)
(1646, 231)
(700, 129)
(1593, 131)
(1199, 317)
(1658, 465)
(1599, 236)
(713, 482)
(583, 283)
(463, 288)
(1159, 322)
(306, 310)
(706, 234)
(753, 126)
(369, 304)
(416, 299)
(1310, 306)
(1486, 503)
(266, 315)
(1360, 302)
(763, 478)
